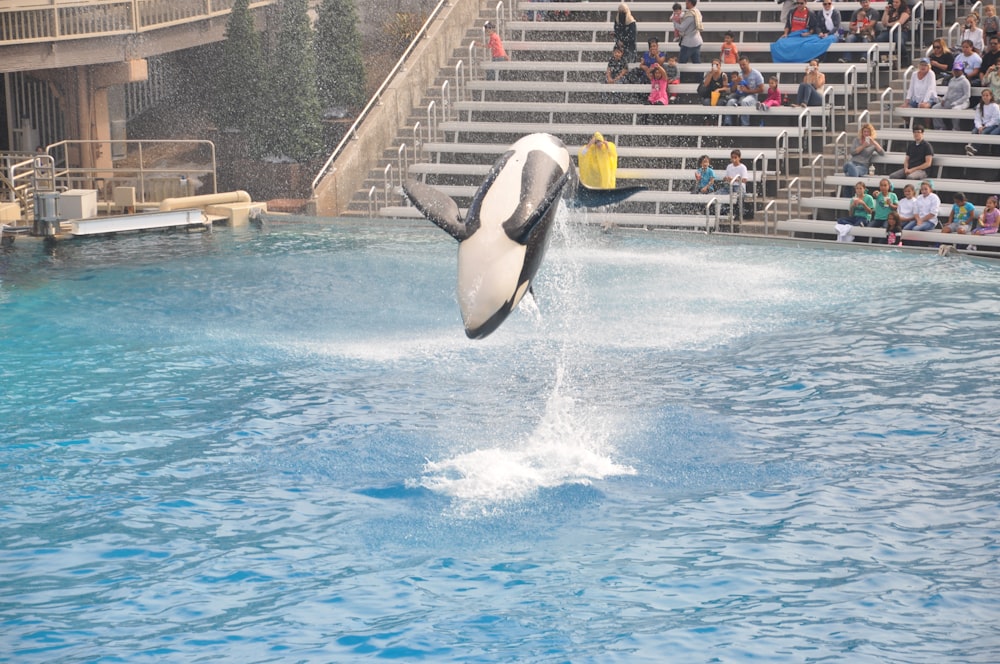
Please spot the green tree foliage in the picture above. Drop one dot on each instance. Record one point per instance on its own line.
(241, 75)
(341, 73)
(294, 108)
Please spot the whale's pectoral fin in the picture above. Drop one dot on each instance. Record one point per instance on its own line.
(587, 197)
(528, 214)
(438, 207)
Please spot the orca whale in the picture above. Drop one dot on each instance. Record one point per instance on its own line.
(505, 233)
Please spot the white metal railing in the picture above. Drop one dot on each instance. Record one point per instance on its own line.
(60, 20)
(386, 183)
(446, 100)
(886, 108)
(417, 144)
(401, 163)
(137, 170)
(376, 99)
(431, 121)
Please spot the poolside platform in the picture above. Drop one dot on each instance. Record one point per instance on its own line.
(191, 219)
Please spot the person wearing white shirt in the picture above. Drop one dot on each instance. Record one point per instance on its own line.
(973, 32)
(922, 92)
(928, 206)
(970, 61)
(907, 209)
(736, 174)
(987, 121)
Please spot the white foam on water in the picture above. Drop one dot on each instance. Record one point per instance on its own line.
(570, 445)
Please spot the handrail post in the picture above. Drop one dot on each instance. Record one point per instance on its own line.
(460, 87)
(416, 141)
(446, 102)
(431, 121)
(401, 160)
(387, 182)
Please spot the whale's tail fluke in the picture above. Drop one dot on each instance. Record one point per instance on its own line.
(585, 196)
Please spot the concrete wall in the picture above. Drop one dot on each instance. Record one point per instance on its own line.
(378, 131)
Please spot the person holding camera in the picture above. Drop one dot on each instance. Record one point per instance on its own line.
(714, 81)
(809, 92)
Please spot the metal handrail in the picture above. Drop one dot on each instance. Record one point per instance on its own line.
(70, 176)
(61, 20)
(376, 99)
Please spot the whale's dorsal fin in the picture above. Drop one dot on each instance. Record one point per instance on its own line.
(588, 197)
(438, 207)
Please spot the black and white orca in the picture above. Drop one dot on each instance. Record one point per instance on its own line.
(505, 234)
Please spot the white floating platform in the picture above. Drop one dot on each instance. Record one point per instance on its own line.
(139, 222)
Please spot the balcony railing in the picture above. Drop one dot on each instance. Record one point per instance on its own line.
(67, 19)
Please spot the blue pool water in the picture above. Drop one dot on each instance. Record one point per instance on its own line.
(277, 445)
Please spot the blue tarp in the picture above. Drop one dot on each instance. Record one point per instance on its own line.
(796, 48)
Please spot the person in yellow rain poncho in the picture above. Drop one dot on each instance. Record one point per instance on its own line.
(598, 162)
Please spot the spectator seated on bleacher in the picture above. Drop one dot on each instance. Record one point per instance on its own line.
(917, 160)
(897, 12)
(941, 60)
(617, 71)
(970, 61)
(809, 89)
(860, 211)
(651, 56)
(827, 20)
(926, 209)
(990, 56)
(736, 177)
(862, 27)
(922, 91)
(773, 97)
(800, 21)
(713, 85)
(991, 79)
(987, 121)
(862, 152)
(990, 221)
(973, 32)
(962, 217)
(886, 202)
(893, 230)
(704, 177)
(658, 92)
(955, 98)
(750, 85)
(672, 74)
(907, 208)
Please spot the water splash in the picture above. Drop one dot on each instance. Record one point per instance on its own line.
(570, 445)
